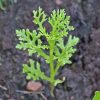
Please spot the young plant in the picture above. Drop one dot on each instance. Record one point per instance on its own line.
(4, 2)
(96, 96)
(59, 51)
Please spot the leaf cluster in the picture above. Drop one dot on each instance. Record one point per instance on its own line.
(59, 51)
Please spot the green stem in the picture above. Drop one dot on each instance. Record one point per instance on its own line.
(52, 89)
(51, 62)
(57, 67)
(42, 54)
(52, 71)
(46, 78)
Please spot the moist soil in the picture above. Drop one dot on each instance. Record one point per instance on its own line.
(82, 76)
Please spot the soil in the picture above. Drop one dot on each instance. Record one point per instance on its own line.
(82, 76)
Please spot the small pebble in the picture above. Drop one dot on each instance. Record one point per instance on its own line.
(34, 86)
(58, 2)
(71, 98)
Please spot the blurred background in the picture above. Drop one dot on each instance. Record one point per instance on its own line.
(82, 76)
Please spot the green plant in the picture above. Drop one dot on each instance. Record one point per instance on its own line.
(97, 96)
(4, 2)
(59, 52)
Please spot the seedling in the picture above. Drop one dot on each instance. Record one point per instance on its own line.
(59, 51)
(4, 2)
(96, 96)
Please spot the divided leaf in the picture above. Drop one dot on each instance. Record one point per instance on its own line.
(64, 52)
(31, 41)
(33, 71)
(60, 24)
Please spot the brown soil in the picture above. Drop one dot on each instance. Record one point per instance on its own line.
(82, 76)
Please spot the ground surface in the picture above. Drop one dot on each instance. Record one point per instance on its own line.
(82, 77)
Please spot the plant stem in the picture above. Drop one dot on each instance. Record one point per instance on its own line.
(57, 67)
(52, 72)
(52, 89)
(51, 61)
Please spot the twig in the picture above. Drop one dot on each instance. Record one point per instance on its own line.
(24, 92)
(2, 87)
(43, 96)
(27, 92)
